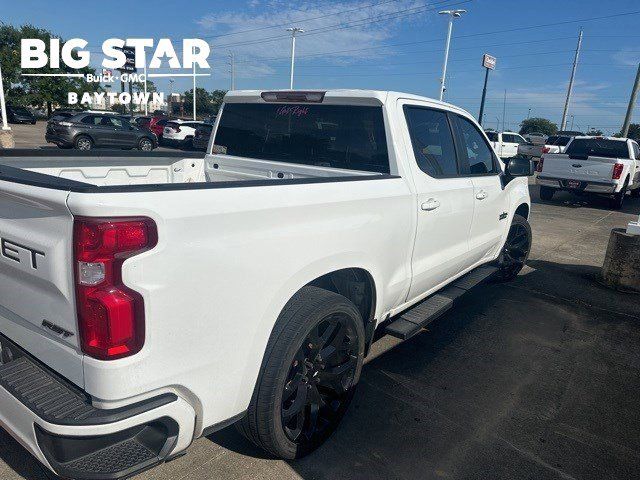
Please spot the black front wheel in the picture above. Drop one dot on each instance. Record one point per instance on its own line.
(309, 374)
(516, 249)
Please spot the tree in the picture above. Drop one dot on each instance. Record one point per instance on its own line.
(537, 124)
(139, 87)
(37, 91)
(634, 131)
(207, 103)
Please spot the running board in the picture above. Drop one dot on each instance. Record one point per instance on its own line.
(419, 316)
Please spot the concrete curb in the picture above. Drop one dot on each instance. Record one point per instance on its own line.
(621, 269)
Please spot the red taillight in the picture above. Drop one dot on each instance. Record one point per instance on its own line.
(545, 149)
(540, 165)
(617, 171)
(110, 315)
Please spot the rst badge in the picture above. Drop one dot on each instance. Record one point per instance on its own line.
(13, 251)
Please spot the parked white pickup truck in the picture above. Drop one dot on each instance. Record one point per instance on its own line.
(505, 143)
(604, 165)
(147, 301)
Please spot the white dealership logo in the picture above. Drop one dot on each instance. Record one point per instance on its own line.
(75, 54)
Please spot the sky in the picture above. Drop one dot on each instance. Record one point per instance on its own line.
(389, 45)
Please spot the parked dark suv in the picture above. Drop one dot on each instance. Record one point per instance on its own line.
(85, 131)
(17, 114)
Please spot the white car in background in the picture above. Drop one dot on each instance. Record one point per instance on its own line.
(505, 143)
(179, 133)
(557, 143)
(536, 138)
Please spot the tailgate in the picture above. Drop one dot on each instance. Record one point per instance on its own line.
(37, 301)
(594, 169)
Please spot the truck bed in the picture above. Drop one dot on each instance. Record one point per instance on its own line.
(118, 170)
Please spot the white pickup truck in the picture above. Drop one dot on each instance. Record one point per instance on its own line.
(602, 165)
(147, 301)
(506, 144)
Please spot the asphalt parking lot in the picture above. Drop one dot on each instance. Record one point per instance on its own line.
(535, 379)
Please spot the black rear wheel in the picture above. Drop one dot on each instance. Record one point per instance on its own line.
(617, 201)
(516, 249)
(311, 367)
(546, 193)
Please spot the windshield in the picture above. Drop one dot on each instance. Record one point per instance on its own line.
(20, 110)
(585, 147)
(339, 136)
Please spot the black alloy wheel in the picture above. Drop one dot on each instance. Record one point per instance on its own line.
(317, 389)
(516, 248)
(309, 374)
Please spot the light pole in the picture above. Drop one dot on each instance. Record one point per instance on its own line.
(3, 107)
(529, 113)
(294, 31)
(452, 14)
(194, 86)
(572, 118)
(170, 103)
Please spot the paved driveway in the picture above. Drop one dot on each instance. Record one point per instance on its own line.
(536, 379)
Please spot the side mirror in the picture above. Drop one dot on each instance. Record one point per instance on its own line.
(519, 167)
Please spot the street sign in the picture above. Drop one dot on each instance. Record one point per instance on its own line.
(488, 61)
(130, 64)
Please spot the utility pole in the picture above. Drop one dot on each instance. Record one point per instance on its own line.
(632, 103)
(452, 14)
(194, 86)
(232, 62)
(294, 31)
(563, 124)
(529, 113)
(504, 108)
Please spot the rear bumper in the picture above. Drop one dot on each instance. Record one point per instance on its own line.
(585, 186)
(58, 139)
(57, 423)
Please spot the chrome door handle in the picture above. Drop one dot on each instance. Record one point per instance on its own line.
(481, 195)
(430, 204)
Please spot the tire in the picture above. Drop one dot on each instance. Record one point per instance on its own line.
(290, 382)
(82, 142)
(187, 144)
(145, 144)
(516, 249)
(546, 193)
(635, 193)
(617, 201)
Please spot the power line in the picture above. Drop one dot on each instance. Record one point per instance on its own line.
(300, 21)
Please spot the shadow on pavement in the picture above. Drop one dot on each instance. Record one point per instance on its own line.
(599, 202)
(518, 381)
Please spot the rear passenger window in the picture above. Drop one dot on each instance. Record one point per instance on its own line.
(432, 141)
(475, 148)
